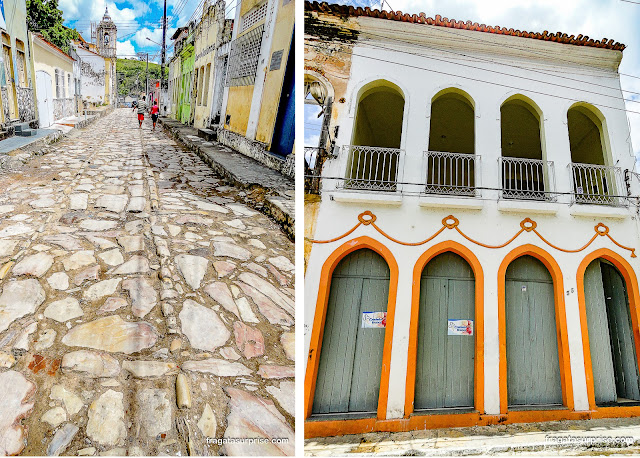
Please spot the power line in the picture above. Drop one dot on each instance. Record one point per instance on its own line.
(508, 86)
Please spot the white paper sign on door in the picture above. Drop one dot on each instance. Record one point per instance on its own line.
(374, 319)
(460, 327)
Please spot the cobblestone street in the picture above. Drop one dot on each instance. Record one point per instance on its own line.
(143, 309)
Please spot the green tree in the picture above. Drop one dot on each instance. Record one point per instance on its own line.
(45, 17)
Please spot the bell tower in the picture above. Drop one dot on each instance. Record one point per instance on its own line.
(106, 36)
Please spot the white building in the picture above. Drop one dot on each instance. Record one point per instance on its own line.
(476, 195)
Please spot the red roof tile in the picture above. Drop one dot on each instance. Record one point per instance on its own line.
(558, 37)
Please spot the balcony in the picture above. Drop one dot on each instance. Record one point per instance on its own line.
(451, 173)
(524, 179)
(372, 168)
(597, 184)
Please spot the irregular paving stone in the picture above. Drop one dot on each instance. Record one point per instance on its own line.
(90, 273)
(202, 326)
(229, 353)
(16, 229)
(66, 241)
(282, 263)
(72, 403)
(112, 304)
(97, 224)
(143, 369)
(285, 395)
(143, 297)
(59, 281)
(154, 411)
(251, 416)
(112, 334)
(236, 224)
(249, 340)
(62, 439)
(135, 265)
(219, 292)
(271, 312)
(104, 244)
(245, 311)
(45, 202)
(131, 243)
(268, 371)
(106, 419)
(78, 201)
(7, 360)
(45, 340)
(224, 268)
(231, 250)
(91, 364)
(6, 209)
(15, 404)
(7, 247)
(183, 392)
(35, 265)
(23, 341)
(112, 257)
(269, 290)
(207, 423)
(54, 416)
(64, 310)
(216, 366)
(101, 289)
(19, 298)
(112, 202)
(288, 341)
(136, 205)
(192, 268)
(78, 260)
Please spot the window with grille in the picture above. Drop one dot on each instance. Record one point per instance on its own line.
(205, 92)
(243, 58)
(254, 16)
(58, 84)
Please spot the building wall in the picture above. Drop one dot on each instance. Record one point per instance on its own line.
(49, 60)
(93, 77)
(410, 215)
(187, 59)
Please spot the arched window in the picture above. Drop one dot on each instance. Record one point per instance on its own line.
(594, 179)
(524, 170)
(451, 156)
(375, 150)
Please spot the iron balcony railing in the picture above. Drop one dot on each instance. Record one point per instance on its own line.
(597, 184)
(525, 179)
(372, 168)
(451, 173)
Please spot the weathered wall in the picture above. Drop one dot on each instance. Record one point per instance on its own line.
(26, 104)
(238, 108)
(92, 77)
(63, 108)
(5, 102)
(48, 60)
(250, 148)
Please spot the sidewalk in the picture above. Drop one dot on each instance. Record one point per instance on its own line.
(578, 437)
(267, 190)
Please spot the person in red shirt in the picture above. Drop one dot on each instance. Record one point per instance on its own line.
(154, 114)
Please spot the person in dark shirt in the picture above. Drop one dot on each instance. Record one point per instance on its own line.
(142, 107)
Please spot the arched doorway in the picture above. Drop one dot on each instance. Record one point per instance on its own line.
(533, 365)
(377, 134)
(350, 362)
(444, 377)
(611, 343)
(451, 155)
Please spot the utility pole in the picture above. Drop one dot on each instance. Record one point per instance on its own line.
(164, 50)
(147, 77)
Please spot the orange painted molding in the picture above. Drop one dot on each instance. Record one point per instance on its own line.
(634, 305)
(422, 261)
(561, 322)
(321, 314)
(367, 218)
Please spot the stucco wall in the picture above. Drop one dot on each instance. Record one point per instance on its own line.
(92, 77)
(26, 104)
(411, 216)
(238, 108)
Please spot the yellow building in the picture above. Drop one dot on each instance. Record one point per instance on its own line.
(54, 81)
(259, 110)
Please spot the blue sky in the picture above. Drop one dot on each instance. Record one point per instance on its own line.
(614, 19)
(136, 20)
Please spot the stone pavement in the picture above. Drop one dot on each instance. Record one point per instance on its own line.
(143, 310)
(611, 436)
(274, 193)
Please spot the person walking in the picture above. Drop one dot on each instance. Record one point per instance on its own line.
(142, 107)
(134, 105)
(154, 114)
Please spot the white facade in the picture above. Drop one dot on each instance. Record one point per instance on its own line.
(422, 61)
(92, 69)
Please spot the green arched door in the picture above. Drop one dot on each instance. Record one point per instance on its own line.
(350, 364)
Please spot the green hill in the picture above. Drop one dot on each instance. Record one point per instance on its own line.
(131, 75)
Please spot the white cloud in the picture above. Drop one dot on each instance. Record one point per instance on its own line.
(125, 49)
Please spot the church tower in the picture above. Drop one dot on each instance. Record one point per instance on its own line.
(106, 36)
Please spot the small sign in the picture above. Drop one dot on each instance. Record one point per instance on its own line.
(524, 288)
(579, 190)
(374, 319)
(276, 60)
(460, 328)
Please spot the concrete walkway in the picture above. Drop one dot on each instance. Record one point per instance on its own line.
(619, 436)
(273, 192)
(13, 143)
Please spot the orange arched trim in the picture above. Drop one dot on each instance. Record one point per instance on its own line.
(634, 304)
(561, 321)
(321, 314)
(423, 260)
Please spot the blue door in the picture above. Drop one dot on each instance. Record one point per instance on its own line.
(284, 130)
